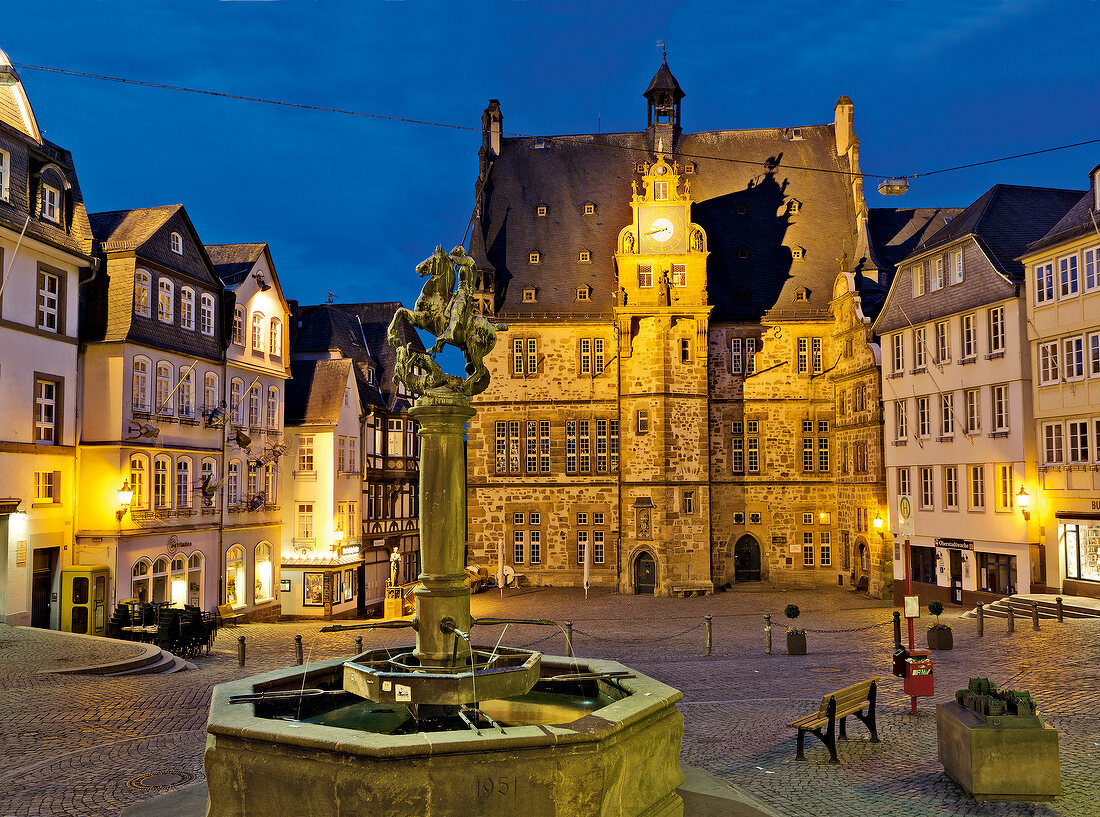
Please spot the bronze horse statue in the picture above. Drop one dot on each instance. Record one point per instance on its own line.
(447, 313)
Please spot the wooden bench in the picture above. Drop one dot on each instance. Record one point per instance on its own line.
(226, 614)
(851, 700)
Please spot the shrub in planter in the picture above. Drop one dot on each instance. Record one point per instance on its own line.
(939, 635)
(796, 637)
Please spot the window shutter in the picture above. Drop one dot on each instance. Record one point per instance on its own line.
(57, 487)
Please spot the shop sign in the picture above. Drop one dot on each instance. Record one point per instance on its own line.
(957, 544)
(349, 550)
(175, 544)
(21, 553)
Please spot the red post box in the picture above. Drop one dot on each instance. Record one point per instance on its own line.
(918, 681)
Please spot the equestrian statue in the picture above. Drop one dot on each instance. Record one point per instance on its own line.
(447, 313)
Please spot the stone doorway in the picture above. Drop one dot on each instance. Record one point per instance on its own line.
(746, 559)
(645, 575)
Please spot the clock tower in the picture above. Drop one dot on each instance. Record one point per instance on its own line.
(662, 320)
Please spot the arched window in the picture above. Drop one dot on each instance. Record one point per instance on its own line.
(160, 579)
(270, 486)
(139, 468)
(208, 482)
(238, 326)
(264, 572)
(234, 576)
(177, 244)
(164, 388)
(206, 315)
(254, 406)
(194, 579)
(186, 392)
(187, 308)
(257, 331)
(177, 581)
(272, 406)
(142, 284)
(275, 338)
(165, 300)
(140, 384)
(210, 392)
(140, 586)
(183, 483)
(236, 386)
(233, 483)
(162, 495)
(253, 484)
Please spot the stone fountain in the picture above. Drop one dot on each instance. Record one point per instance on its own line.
(445, 727)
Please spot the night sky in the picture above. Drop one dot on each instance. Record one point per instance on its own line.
(349, 204)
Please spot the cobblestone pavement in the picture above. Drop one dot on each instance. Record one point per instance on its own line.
(85, 745)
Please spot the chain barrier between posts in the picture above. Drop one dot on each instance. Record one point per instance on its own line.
(638, 640)
(855, 629)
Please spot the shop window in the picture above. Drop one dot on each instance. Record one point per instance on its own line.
(923, 564)
(178, 581)
(160, 579)
(234, 576)
(140, 587)
(997, 573)
(263, 572)
(194, 579)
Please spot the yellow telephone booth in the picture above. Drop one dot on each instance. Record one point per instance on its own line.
(84, 599)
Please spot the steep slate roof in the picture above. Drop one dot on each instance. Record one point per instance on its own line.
(119, 230)
(315, 392)
(1004, 221)
(233, 262)
(343, 328)
(1077, 221)
(598, 168)
(664, 81)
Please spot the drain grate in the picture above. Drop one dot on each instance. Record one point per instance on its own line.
(160, 780)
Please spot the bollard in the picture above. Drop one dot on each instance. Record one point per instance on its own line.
(298, 650)
(1035, 615)
(897, 630)
(981, 620)
(569, 638)
(710, 632)
(1058, 603)
(358, 645)
(767, 633)
(240, 650)
(1011, 620)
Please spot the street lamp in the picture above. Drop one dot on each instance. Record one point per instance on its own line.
(125, 497)
(337, 536)
(877, 522)
(1023, 499)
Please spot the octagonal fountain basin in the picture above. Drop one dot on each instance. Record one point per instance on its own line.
(607, 747)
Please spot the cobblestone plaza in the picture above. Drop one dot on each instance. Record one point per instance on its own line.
(88, 745)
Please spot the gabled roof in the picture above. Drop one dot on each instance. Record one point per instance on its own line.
(1079, 219)
(121, 230)
(730, 171)
(233, 262)
(1004, 221)
(315, 392)
(15, 107)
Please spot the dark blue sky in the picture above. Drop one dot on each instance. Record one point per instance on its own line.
(350, 204)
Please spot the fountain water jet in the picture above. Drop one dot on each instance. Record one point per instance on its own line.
(445, 727)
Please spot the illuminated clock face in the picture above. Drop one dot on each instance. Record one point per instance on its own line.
(661, 230)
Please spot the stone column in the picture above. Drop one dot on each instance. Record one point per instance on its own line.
(443, 593)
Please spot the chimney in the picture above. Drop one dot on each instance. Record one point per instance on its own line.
(492, 124)
(842, 124)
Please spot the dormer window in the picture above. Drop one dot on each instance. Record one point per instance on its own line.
(794, 206)
(640, 167)
(584, 257)
(539, 142)
(583, 292)
(371, 380)
(51, 203)
(589, 209)
(534, 257)
(5, 174)
(177, 244)
(689, 168)
(742, 209)
(802, 294)
(794, 134)
(529, 295)
(743, 253)
(798, 253)
(541, 210)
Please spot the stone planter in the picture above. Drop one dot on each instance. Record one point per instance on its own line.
(796, 643)
(940, 639)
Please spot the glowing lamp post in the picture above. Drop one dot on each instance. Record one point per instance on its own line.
(1023, 499)
(125, 497)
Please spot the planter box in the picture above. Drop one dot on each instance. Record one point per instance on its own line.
(796, 643)
(994, 758)
(940, 639)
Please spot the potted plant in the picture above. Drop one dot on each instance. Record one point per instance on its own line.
(939, 635)
(796, 637)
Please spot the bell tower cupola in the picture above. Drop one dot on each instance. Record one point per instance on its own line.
(663, 109)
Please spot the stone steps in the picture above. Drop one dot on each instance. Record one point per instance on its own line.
(1021, 608)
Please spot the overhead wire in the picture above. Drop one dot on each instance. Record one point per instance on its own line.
(561, 139)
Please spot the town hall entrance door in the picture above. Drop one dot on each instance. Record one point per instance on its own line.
(746, 560)
(645, 575)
